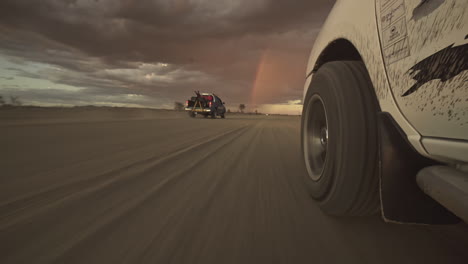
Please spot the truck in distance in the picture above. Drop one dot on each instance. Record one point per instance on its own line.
(205, 104)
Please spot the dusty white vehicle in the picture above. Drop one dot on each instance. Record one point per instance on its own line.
(385, 117)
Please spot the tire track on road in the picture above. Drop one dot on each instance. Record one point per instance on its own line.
(102, 218)
(189, 224)
(18, 210)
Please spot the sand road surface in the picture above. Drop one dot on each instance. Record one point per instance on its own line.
(130, 186)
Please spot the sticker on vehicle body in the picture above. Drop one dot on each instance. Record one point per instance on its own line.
(394, 30)
(442, 65)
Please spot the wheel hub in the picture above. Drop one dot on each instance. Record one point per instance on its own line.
(324, 137)
(315, 137)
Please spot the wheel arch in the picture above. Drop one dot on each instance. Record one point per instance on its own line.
(342, 49)
(338, 50)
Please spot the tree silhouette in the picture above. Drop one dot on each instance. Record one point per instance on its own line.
(178, 106)
(242, 107)
(15, 101)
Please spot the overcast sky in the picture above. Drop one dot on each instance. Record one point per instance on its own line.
(151, 53)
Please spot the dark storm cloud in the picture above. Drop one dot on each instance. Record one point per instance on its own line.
(101, 44)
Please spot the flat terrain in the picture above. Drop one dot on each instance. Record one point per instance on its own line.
(140, 186)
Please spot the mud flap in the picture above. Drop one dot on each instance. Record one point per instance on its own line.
(402, 200)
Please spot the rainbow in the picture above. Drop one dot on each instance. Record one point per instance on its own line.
(259, 77)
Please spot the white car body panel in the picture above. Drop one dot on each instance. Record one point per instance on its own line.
(436, 108)
(356, 21)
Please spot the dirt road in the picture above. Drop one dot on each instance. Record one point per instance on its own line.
(168, 189)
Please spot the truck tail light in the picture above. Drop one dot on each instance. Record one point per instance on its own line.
(210, 104)
(186, 103)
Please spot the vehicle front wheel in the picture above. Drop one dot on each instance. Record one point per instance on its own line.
(191, 114)
(339, 139)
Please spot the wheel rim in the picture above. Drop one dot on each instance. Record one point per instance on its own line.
(316, 138)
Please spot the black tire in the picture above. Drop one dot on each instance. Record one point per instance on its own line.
(191, 114)
(345, 179)
(222, 116)
(205, 115)
(213, 115)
